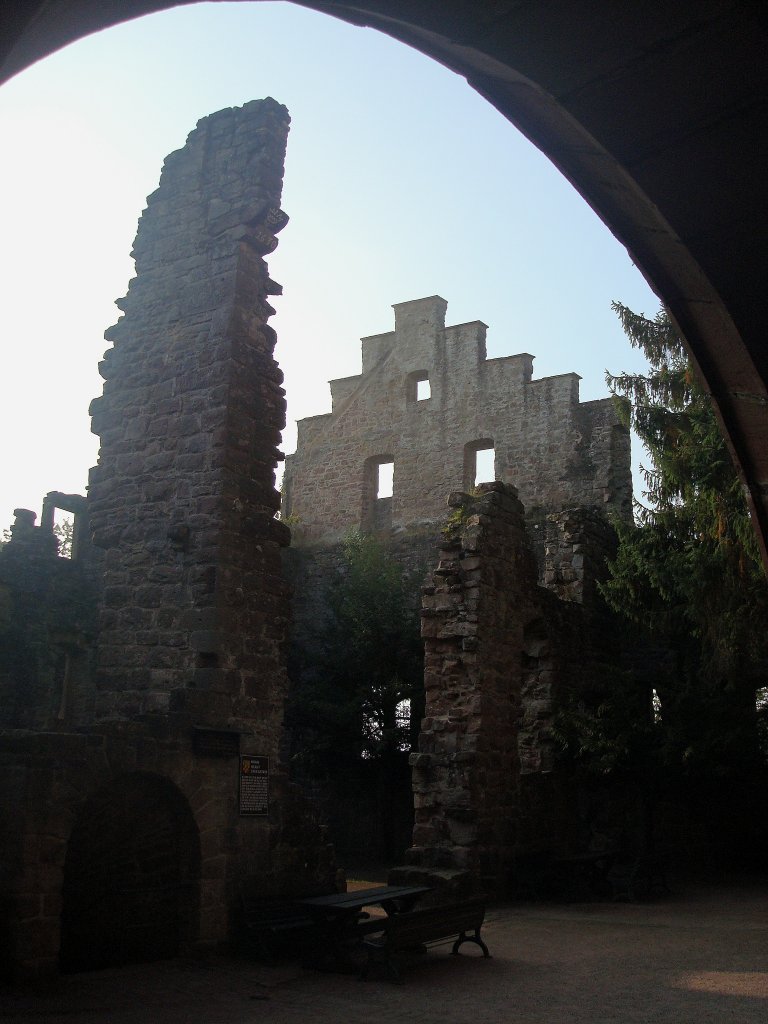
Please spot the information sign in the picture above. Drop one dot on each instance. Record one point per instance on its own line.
(254, 784)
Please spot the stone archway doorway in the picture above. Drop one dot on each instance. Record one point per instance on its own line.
(131, 876)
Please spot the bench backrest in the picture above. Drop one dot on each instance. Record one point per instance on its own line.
(417, 926)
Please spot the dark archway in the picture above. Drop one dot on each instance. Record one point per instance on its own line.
(131, 876)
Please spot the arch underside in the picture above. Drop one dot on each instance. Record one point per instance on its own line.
(655, 113)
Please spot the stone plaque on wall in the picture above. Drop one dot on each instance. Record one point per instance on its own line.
(254, 785)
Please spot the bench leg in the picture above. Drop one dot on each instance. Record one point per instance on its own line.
(463, 937)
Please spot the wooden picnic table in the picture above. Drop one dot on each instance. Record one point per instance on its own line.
(341, 922)
(393, 899)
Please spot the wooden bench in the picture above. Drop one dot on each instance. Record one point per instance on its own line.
(409, 931)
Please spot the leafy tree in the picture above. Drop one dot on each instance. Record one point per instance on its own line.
(64, 532)
(689, 570)
(359, 695)
(609, 728)
(357, 700)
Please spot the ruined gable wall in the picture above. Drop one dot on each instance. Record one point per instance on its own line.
(556, 451)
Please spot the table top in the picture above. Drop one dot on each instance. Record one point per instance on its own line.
(365, 897)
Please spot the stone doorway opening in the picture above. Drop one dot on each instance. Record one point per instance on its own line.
(131, 876)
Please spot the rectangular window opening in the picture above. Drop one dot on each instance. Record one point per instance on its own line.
(485, 470)
(63, 529)
(385, 479)
(423, 390)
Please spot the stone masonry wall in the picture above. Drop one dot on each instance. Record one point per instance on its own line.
(556, 451)
(183, 498)
(49, 786)
(577, 544)
(499, 649)
(473, 619)
(48, 628)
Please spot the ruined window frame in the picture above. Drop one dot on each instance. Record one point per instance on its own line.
(371, 479)
(471, 449)
(412, 387)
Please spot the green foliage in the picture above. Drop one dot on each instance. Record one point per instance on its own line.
(692, 488)
(688, 572)
(64, 532)
(353, 699)
(610, 728)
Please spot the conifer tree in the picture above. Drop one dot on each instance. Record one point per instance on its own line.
(689, 571)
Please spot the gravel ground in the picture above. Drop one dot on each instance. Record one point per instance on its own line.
(700, 955)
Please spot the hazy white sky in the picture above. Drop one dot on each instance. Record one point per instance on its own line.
(400, 182)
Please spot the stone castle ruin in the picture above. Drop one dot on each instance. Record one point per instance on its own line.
(143, 682)
(511, 615)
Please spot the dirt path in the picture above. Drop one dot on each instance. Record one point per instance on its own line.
(699, 956)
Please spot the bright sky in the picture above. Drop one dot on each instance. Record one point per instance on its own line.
(401, 182)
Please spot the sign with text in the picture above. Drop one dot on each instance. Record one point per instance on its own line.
(254, 785)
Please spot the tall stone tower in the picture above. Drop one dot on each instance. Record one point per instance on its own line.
(183, 498)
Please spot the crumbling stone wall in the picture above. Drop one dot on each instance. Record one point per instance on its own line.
(499, 648)
(48, 627)
(578, 542)
(556, 451)
(183, 497)
(474, 614)
(189, 641)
